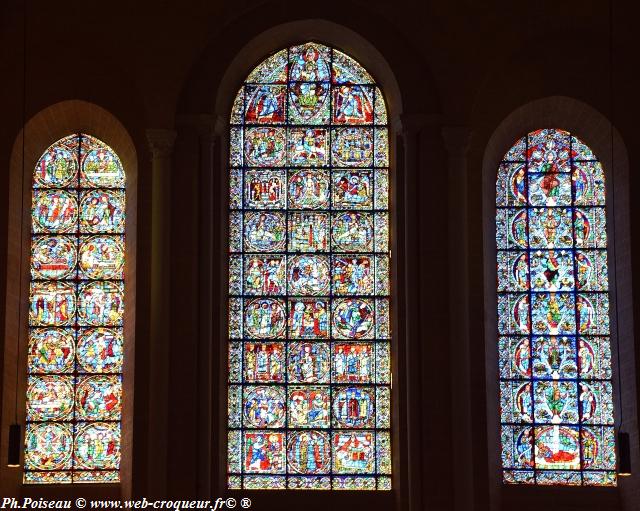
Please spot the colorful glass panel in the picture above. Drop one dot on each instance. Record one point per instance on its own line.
(309, 398)
(76, 314)
(556, 397)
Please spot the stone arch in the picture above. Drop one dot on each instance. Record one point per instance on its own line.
(595, 130)
(247, 39)
(202, 149)
(43, 129)
(287, 34)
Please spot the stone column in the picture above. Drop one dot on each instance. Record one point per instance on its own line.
(216, 144)
(409, 351)
(161, 146)
(456, 140)
(209, 284)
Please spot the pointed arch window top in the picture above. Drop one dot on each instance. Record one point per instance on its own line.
(556, 401)
(309, 328)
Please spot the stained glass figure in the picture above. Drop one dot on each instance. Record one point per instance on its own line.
(100, 350)
(308, 232)
(264, 232)
(49, 397)
(264, 362)
(102, 211)
(265, 318)
(265, 189)
(353, 189)
(353, 104)
(353, 318)
(48, 446)
(51, 350)
(309, 406)
(309, 275)
(308, 318)
(102, 257)
(553, 314)
(308, 103)
(76, 314)
(309, 398)
(54, 211)
(264, 407)
(265, 275)
(352, 231)
(353, 407)
(353, 362)
(308, 362)
(53, 257)
(352, 275)
(309, 452)
(99, 397)
(264, 147)
(53, 303)
(265, 104)
(307, 147)
(264, 452)
(309, 189)
(58, 166)
(97, 445)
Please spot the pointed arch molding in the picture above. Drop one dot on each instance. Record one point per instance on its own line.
(205, 107)
(247, 40)
(287, 34)
(43, 129)
(593, 128)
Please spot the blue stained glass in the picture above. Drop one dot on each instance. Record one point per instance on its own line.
(556, 400)
(309, 396)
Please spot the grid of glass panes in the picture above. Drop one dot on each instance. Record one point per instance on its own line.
(553, 314)
(75, 348)
(309, 350)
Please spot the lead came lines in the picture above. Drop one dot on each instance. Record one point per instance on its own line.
(91, 452)
(590, 327)
(290, 249)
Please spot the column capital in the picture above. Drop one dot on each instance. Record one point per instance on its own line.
(409, 123)
(456, 139)
(160, 141)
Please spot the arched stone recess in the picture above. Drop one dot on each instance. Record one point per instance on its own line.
(415, 157)
(43, 129)
(587, 123)
(354, 29)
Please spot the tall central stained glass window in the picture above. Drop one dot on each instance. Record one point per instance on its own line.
(309, 329)
(75, 353)
(553, 314)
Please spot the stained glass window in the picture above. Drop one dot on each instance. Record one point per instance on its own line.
(553, 314)
(75, 348)
(309, 329)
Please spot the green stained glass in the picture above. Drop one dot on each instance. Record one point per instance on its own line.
(556, 396)
(309, 396)
(76, 314)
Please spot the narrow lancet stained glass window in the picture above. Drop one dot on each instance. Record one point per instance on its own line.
(309, 328)
(75, 348)
(553, 314)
